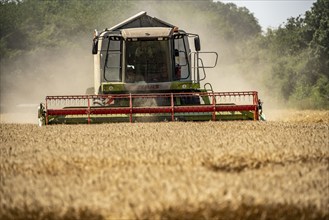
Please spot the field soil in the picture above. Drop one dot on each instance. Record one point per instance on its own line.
(277, 169)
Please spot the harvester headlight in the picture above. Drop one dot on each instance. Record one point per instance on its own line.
(184, 86)
(110, 88)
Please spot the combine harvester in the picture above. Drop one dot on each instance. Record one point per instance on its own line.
(145, 70)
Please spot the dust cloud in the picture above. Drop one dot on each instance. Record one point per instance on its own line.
(30, 78)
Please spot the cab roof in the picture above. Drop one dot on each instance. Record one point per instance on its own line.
(141, 20)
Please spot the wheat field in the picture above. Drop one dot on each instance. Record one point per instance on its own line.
(277, 169)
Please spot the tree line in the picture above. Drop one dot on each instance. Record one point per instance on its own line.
(291, 61)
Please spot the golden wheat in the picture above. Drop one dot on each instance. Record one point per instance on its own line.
(210, 170)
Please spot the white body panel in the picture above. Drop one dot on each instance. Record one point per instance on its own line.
(97, 73)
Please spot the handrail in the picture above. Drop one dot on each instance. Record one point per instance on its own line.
(197, 60)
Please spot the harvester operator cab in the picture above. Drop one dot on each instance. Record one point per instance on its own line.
(146, 59)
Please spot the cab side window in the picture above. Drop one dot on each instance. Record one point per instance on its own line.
(181, 60)
(111, 56)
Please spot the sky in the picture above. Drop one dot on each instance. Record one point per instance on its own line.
(272, 13)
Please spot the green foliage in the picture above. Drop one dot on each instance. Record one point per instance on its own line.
(30, 24)
(304, 43)
(241, 24)
(288, 40)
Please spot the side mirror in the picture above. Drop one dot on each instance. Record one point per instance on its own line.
(95, 46)
(197, 43)
(95, 42)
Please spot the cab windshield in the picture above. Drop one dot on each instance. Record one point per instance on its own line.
(147, 61)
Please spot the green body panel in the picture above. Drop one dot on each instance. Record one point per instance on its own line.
(179, 86)
(184, 86)
(112, 87)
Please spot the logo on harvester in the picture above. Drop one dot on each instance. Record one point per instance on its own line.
(147, 87)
